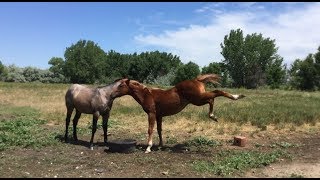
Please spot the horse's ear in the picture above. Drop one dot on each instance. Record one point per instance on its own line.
(127, 81)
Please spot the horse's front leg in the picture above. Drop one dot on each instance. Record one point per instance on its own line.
(94, 127)
(105, 119)
(151, 120)
(159, 129)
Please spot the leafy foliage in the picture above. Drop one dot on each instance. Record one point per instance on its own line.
(250, 60)
(84, 62)
(220, 69)
(229, 162)
(276, 72)
(202, 141)
(305, 74)
(2, 69)
(232, 51)
(23, 129)
(187, 71)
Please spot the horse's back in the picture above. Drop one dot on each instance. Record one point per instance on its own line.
(79, 96)
(76, 89)
(190, 87)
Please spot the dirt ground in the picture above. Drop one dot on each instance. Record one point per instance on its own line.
(75, 159)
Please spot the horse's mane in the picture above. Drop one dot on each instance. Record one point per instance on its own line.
(138, 83)
(102, 86)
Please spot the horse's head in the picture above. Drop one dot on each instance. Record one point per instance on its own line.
(121, 86)
(135, 86)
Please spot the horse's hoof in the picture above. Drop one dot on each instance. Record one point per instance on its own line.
(214, 118)
(146, 152)
(241, 96)
(91, 148)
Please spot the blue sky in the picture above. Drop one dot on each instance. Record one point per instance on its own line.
(31, 33)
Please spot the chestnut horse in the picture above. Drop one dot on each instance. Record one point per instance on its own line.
(95, 101)
(158, 103)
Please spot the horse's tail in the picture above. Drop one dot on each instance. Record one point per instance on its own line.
(214, 78)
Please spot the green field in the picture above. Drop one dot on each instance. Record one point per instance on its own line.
(260, 110)
(32, 115)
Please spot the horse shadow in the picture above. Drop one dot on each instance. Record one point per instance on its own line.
(176, 148)
(79, 142)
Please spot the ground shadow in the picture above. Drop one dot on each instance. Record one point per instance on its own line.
(174, 148)
(79, 142)
(177, 148)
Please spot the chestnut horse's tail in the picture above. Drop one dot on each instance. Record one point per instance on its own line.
(214, 78)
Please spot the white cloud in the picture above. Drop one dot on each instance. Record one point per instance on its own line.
(294, 29)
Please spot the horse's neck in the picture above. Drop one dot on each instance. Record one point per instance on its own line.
(108, 92)
(140, 95)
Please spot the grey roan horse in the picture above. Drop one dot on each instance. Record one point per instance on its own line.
(95, 101)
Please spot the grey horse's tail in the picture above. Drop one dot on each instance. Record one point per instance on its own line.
(68, 99)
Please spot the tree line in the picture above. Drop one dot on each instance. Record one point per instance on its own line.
(250, 61)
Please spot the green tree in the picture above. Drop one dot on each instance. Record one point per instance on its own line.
(149, 66)
(116, 64)
(3, 72)
(14, 74)
(214, 67)
(138, 68)
(1, 68)
(220, 69)
(317, 67)
(276, 73)
(56, 65)
(258, 53)
(303, 73)
(248, 59)
(84, 62)
(232, 51)
(159, 64)
(56, 73)
(187, 71)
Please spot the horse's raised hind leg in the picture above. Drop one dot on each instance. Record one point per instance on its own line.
(227, 95)
(208, 97)
(69, 113)
(151, 120)
(105, 119)
(94, 128)
(159, 129)
(75, 123)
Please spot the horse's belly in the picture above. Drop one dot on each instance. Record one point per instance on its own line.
(83, 106)
(171, 109)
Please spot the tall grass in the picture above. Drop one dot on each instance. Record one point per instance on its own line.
(264, 107)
